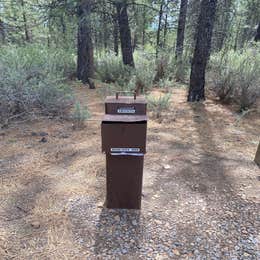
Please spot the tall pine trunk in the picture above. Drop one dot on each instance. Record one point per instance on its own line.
(85, 62)
(125, 33)
(143, 27)
(63, 27)
(135, 35)
(25, 24)
(222, 24)
(165, 30)
(115, 33)
(181, 29)
(105, 28)
(237, 34)
(159, 28)
(2, 32)
(257, 155)
(202, 50)
(257, 36)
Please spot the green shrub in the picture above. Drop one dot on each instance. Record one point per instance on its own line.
(162, 63)
(165, 84)
(80, 115)
(159, 104)
(147, 72)
(110, 69)
(169, 68)
(235, 76)
(144, 71)
(32, 81)
(182, 68)
(179, 69)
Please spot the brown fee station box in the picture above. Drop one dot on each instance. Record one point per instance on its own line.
(123, 132)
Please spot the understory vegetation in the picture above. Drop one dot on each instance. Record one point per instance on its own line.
(33, 81)
(80, 115)
(125, 45)
(232, 75)
(159, 104)
(235, 76)
(149, 72)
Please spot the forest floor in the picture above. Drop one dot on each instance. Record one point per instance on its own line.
(201, 188)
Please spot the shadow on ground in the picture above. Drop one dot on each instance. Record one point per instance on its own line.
(119, 231)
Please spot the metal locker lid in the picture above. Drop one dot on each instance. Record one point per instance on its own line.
(126, 100)
(125, 105)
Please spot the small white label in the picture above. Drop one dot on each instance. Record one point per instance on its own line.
(127, 154)
(126, 110)
(131, 150)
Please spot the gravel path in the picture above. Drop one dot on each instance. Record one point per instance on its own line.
(194, 206)
(158, 234)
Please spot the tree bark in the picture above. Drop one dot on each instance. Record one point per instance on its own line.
(125, 33)
(63, 26)
(115, 33)
(85, 62)
(105, 29)
(165, 30)
(257, 155)
(202, 50)
(159, 28)
(181, 29)
(192, 18)
(257, 36)
(26, 31)
(237, 35)
(135, 31)
(144, 25)
(250, 19)
(2, 31)
(222, 23)
(134, 40)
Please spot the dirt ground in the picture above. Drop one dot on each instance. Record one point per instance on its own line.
(201, 187)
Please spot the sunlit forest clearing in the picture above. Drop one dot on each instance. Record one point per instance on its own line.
(197, 63)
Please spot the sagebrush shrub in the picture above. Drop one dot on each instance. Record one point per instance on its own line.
(148, 70)
(172, 68)
(165, 84)
(144, 71)
(80, 115)
(235, 75)
(161, 67)
(31, 81)
(181, 68)
(159, 104)
(110, 69)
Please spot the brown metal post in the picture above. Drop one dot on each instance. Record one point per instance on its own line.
(124, 181)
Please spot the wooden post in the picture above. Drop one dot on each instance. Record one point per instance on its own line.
(257, 155)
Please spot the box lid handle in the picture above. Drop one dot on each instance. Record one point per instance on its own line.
(122, 92)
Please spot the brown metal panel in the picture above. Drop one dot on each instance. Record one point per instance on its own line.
(123, 135)
(125, 105)
(124, 181)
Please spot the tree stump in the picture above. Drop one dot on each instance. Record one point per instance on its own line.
(257, 155)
